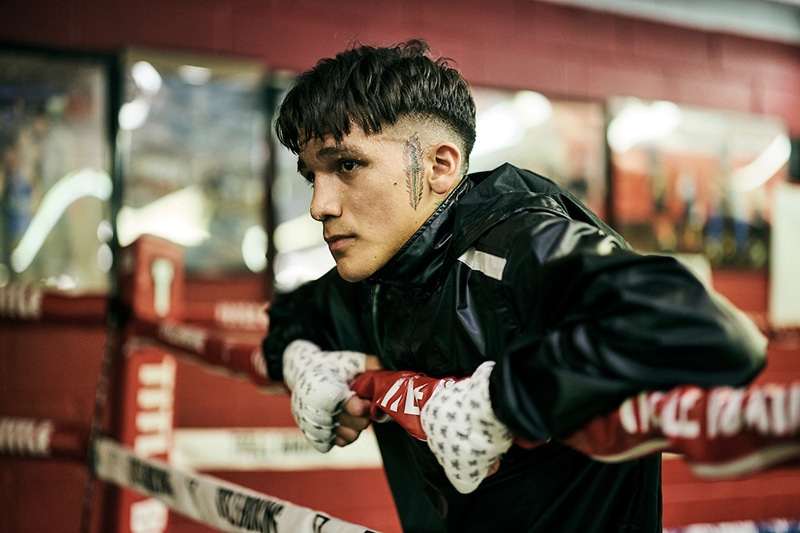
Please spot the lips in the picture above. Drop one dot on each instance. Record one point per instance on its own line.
(338, 242)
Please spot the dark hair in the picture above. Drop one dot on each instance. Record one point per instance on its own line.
(374, 87)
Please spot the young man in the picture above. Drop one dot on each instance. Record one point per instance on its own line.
(499, 279)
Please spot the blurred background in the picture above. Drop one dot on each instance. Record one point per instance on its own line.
(677, 122)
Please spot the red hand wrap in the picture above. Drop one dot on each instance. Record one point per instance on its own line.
(398, 394)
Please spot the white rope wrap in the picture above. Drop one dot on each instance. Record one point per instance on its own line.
(216, 503)
(25, 436)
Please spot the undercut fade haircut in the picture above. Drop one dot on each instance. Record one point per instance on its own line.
(373, 88)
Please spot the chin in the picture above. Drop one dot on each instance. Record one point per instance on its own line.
(349, 275)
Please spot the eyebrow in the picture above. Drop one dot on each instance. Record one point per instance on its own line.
(328, 152)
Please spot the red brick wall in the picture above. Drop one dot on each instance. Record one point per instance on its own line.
(514, 43)
(521, 44)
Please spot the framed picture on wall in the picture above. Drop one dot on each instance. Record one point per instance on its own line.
(699, 181)
(55, 168)
(192, 146)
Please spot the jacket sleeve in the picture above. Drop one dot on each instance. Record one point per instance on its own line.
(602, 323)
(321, 311)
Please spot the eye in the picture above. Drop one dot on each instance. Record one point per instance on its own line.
(348, 165)
(309, 177)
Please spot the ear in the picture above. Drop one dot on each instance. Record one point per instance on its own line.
(446, 159)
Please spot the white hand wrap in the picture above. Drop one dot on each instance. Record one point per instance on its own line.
(462, 430)
(319, 382)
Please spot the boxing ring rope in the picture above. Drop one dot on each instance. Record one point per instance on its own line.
(222, 505)
(21, 302)
(223, 337)
(221, 351)
(44, 438)
(208, 500)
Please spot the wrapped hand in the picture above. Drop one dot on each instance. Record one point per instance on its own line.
(320, 384)
(454, 416)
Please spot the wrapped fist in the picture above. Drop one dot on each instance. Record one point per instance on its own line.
(320, 384)
(454, 416)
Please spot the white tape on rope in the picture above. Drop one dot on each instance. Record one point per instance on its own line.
(25, 436)
(211, 501)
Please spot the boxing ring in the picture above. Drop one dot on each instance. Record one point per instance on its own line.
(127, 443)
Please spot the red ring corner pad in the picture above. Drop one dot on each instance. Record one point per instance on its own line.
(151, 278)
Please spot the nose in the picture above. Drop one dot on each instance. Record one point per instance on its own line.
(325, 201)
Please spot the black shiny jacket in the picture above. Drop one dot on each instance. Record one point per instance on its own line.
(514, 269)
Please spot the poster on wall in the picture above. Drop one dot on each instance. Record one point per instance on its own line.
(192, 144)
(696, 181)
(55, 161)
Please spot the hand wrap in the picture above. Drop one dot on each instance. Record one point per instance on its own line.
(454, 416)
(463, 432)
(320, 384)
